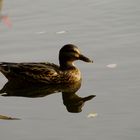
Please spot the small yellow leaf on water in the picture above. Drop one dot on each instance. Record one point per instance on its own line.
(92, 115)
(3, 117)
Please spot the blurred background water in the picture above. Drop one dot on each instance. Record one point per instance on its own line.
(107, 31)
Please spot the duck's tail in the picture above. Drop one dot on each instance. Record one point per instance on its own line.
(5, 68)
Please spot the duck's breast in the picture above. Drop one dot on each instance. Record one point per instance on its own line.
(71, 76)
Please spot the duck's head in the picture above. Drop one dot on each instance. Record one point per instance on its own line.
(70, 53)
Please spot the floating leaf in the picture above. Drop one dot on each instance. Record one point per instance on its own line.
(61, 32)
(111, 66)
(3, 117)
(92, 115)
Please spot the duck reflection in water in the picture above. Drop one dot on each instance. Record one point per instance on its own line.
(43, 79)
(71, 100)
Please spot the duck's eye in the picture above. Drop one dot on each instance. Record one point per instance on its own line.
(76, 55)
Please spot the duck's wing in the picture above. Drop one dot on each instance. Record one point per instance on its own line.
(41, 72)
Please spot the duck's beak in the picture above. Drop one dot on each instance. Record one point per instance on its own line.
(84, 58)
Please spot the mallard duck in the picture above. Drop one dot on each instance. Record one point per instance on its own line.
(48, 73)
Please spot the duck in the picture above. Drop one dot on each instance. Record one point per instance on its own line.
(45, 72)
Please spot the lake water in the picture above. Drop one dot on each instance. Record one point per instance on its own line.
(108, 31)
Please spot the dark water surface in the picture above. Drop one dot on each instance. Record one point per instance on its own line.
(107, 31)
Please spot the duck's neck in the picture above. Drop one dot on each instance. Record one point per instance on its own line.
(67, 65)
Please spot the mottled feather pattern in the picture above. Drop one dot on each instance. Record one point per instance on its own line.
(48, 73)
(41, 72)
(44, 72)
(71, 75)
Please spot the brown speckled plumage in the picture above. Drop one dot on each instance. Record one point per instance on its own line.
(48, 73)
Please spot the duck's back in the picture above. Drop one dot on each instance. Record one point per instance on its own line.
(35, 72)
